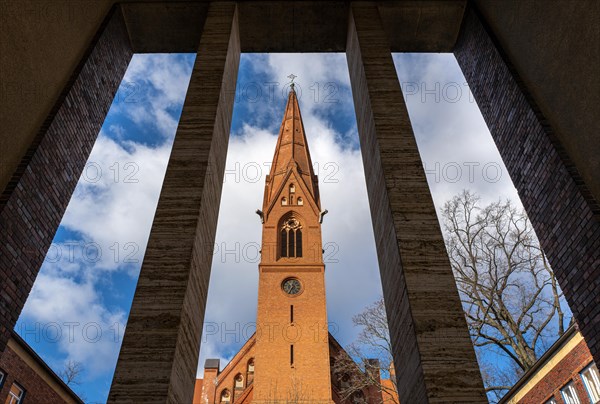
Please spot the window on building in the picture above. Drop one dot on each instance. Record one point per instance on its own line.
(300, 201)
(292, 188)
(298, 243)
(284, 201)
(225, 396)
(284, 250)
(591, 380)
(291, 243)
(15, 395)
(250, 372)
(569, 394)
(239, 381)
(551, 401)
(292, 355)
(1, 378)
(358, 397)
(291, 239)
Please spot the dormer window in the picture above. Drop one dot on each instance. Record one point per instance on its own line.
(292, 188)
(284, 201)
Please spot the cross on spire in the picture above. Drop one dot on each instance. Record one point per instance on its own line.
(292, 77)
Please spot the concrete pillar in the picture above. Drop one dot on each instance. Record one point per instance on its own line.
(563, 212)
(159, 354)
(433, 354)
(34, 201)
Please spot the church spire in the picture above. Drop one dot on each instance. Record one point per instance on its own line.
(291, 154)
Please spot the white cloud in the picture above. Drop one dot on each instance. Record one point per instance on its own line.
(115, 200)
(82, 326)
(153, 85)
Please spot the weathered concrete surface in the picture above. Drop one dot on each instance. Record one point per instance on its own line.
(555, 47)
(38, 194)
(563, 218)
(159, 355)
(433, 354)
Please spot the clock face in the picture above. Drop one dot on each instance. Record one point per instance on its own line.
(291, 286)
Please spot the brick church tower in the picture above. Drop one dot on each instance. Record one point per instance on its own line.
(290, 357)
(292, 348)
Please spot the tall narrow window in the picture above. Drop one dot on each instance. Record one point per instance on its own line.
(284, 201)
(298, 243)
(291, 313)
(570, 394)
(292, 355)
(292, 188)
(300, 201)
(591, 379)
(284, 243)
(250, 372)
(15, 394)
(291, 243)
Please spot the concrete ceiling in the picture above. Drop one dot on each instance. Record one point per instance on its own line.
(295, 26)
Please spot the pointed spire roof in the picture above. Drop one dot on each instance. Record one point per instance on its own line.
(292, 151)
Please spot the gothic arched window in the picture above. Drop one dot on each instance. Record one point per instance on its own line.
(300, 201)
(284, 201)
(291, 238)
(250, 372)
(239, 381)
(225, 396)
(292, 188)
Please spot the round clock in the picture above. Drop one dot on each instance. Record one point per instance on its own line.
(291, 286)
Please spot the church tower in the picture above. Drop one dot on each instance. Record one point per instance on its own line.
(292, 344)
(290, 358)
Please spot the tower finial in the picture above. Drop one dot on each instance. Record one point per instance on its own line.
(292, 84)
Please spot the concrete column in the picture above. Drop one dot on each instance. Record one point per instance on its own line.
(159, 354)
(433, 354)
(563, 212)
(34, 201)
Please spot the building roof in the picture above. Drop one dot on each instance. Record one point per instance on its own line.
(17, 338)
(292, 150)
(556, 347)
(212, 364)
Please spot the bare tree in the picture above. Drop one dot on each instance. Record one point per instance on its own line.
(358, 368)
(71, 373)
(509, 293)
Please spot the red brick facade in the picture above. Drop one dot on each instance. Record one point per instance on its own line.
(562, 364)
(22, 366)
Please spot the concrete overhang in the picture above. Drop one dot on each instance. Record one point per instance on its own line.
(294, 26)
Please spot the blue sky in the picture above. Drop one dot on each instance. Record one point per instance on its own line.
(78, 307)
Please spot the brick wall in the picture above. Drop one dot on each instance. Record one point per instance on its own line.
(564, 215)
(36, 389)
(566, 370)
(35, 199)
